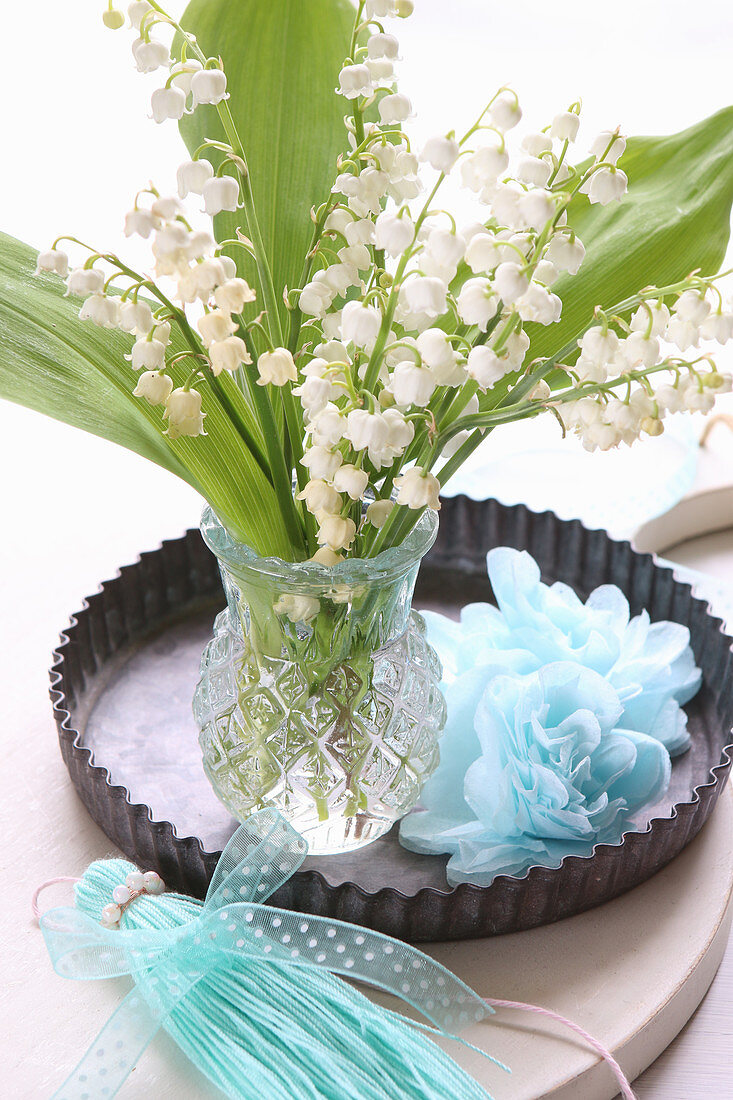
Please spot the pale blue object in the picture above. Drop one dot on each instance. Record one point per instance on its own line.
(545, 772)
(528, 462)
(561, 719)
(250, 992)
(650, 664)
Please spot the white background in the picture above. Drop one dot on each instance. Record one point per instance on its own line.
(77, 145)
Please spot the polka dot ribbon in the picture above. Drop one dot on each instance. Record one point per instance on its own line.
(234, 924)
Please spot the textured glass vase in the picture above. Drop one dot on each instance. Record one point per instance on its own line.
(319, 692)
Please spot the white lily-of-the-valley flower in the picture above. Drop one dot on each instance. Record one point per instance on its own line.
(407, 333)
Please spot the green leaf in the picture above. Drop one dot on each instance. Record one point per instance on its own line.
(282, 59)
(73, 371)
(674, 219)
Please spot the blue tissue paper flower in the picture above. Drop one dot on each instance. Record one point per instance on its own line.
(650, 664)
(561, 719)
(542, 771)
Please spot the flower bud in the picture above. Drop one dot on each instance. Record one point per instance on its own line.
(360, 324)
(366, 430)
(83, 281)
(652, 426)
(441, 153)
(228, 354)
(209, 86)
(233, 295)
(320, 462)
(607, 185)
(485, 367)
(149, 56)
(136, 11)
(154, 387)
(565, 254)
(140, 222)
(319, 496)
(183, 413)
(336, 532)
(351, 480)
(54, 260)
(220, 193)
(355, 81)
(565, 126)
(412, 384)
(608, 145)
(101, 310)
(418, 488)
(216, 325)
(394, 233)
(149, 354)
(299, 609)
(162, 332)
(510, 281)
(182, 73)
(136, 317)
(192, 175)
(378, 512)
(424, 294)
(534, 171)
(505, 111)
(394, 109)
(276, 368)
(383, 45)
(535, 144)
(477, 303)
(326, 556)
(113, 19)
(167, 103)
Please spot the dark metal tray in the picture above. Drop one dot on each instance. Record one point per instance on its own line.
(124, 674)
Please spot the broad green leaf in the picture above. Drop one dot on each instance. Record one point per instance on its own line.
(674, 219)
(73, 371)
(282, 59)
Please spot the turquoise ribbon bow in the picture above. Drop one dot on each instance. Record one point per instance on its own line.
(233, 924)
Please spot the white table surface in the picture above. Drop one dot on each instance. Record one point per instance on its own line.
(75, 508)
(69, 524)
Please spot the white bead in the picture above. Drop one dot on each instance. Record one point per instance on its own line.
(135, 881)
(111, 915)
(153, 882)
(121, 895)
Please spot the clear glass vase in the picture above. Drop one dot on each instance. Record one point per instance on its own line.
(319, 692)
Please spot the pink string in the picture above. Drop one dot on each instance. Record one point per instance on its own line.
(42, 887)
(597, 1047)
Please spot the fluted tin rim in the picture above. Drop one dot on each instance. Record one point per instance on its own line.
(164, 582)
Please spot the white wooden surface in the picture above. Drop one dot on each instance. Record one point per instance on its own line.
(108, 505)
(74, 508)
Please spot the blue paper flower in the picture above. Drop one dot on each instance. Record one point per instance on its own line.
(561, 719)
(541, 771)
(650, 664)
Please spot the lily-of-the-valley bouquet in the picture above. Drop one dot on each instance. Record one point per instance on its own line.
(319, 372)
